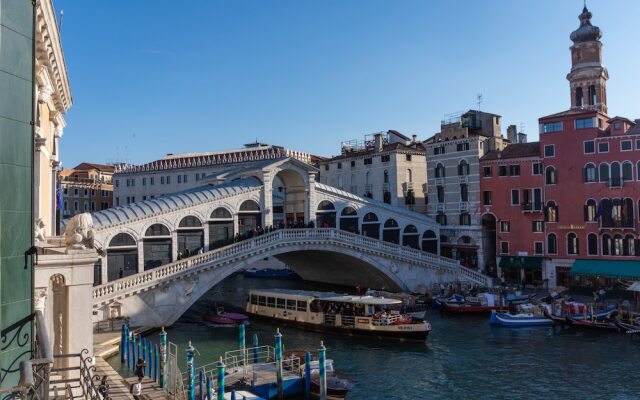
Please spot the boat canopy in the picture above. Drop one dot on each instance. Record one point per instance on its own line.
(607, 268)
(325, 296)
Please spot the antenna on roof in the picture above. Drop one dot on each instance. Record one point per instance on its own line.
(61, 16)
(479, 101)
(522, 126)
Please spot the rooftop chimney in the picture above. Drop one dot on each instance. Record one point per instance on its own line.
(377, 139)
(512, 133)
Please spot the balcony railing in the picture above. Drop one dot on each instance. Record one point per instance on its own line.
(368, 188)
(531, 207)
(439, 181)
(463, 178)
(616, 182)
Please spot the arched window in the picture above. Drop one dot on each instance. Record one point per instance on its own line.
(590, 211)
(572, 244)
(606, 245)
(628, 247)
(326, 215)
(249, 205)
(157, 246)
(590, 173)
(371, 226)
(430, 242)
(122, 239)
(190, 236)
(157, 230)
(592, 95)
(326, 206)
(386, 176)
(349, 220)
(220, 213)
(190, 222)
(409, 176)
(551, 212)
(551, 176)
(552, 243)
(579, 97)
(122, 256)
(592, 244)
(391, 231)
(463, 168)
(617, 245)
(440, 171)
(366, 178)
(627, 171)
(464, 192)
(638, 171)
(411, 237)
(615, 174)
(390, 223)
(604, 172)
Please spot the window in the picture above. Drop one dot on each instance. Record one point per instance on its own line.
(486, 198)
(179, 178)
(464, 193)
(551, 127)
(549, 150)
(625, 145)
(551, 212)
(408, 176)
(486, 172)
(326, 167)
(590, 211)
(465, 218)
(441, 218)
(606, 245)
(502, 170)
(627, 171)
(504, 247)
(168, 180)
(462, 146)
(117, 182)
(93, 192)
(572, 244)
(339, 165)
(197, 177)
(368, 161)
(184, 178)
(638, 144)
(537, 169)
(592, 95)
(440, 171)
(65, 191)
(133, 181)
(353, 164)
(617, 126)
(463, 168)
(117, 201)
(144, 198)
(162, 180)
(385, 158)
(408, 157)
(86, 192)
(537, 248)
(440, 191)
(66, 205)
(537, 226)
(144, 181)
(592, 244)
(514, 170)
(584, 123)
(551, 176)
(604, 172)
(603, 147)
(589, 147)
(75, 192)
(552, 244)
(505, 226)
(515, 197)
(438, 150)
(590, 173)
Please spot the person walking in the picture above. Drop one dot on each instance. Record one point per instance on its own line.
(136, 389)
(140, 368)
(603, 295)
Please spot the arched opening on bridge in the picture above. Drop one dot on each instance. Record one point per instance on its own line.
(489, 243)
(249, 218)
(122, 257)
(391, 231)
(220, 228)
(445, 246)
(326, 215)
(430, 242)
(190, 236)
(467, 252)
(157, 246)
(371, 226)
(349, 220)
(290, 196)
(411, 237)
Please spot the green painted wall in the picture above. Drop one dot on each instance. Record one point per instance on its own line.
(16, 183)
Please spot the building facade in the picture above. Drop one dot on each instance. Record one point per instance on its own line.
(179, 172)
(453, 176)
(590, 180)
(86, 188)
(385, 166)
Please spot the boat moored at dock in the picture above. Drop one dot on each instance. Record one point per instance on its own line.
(346, 314)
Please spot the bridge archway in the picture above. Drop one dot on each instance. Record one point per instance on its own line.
(411, 237)
(349, 219)
(249, 217)
(190, 236)
(122, 256)
(220, 228)
(391, 231)
(326, 215)
(430, 242)
(371, 225)
(291, 189)
(157, 246)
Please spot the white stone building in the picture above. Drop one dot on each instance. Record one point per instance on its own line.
(389, 167)
(453, 170)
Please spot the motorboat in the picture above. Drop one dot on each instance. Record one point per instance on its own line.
(271, 273)
(524, 315)
(219, 317)
(482, 303)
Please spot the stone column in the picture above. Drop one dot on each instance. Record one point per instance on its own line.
(140, 256)
(309, 202)
(267, 198)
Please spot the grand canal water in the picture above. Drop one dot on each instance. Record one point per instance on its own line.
(463, 358)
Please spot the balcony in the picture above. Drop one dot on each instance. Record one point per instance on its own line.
(408, 186)
(368, 188)
(531, 207)
(440, 207)
(386, 187)
(439, 181)
(463, 206)
(463, 179)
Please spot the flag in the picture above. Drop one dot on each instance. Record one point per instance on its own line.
(59, 195)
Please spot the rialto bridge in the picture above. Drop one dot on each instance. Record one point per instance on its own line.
(159, 256)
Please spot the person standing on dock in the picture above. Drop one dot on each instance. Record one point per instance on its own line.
(136, 389)
(140, 368)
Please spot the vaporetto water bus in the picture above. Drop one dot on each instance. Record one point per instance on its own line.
(347, 314)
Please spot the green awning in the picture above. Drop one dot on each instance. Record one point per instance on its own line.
(520, 262)
(607, 268)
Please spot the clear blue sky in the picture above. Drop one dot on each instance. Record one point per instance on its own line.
(154, 77)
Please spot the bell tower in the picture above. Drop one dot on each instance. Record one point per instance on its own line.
(588, 77)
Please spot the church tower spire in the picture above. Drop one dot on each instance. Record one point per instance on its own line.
(588, 77)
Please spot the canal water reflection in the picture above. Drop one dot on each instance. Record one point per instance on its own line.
(463, 358)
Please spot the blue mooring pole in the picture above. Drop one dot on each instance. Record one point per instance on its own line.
(220, 390)
(129, 346)
(307, 376)
(134, 353)
(278, 337)
(156, 363)
(163, 358)
(209, 388)
(191, 371)
(233, 394)
(123, 344)
(322, 358)
(144, 355)
(255, 348)
(201, 385)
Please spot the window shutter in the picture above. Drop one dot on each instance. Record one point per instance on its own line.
(585, 209)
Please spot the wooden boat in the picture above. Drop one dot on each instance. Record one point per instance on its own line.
(346, 314)
(526, 315)
(483, 303)
(221, 318)
(270, 273)
(338, 385)
(605, 326)
(628, 328)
